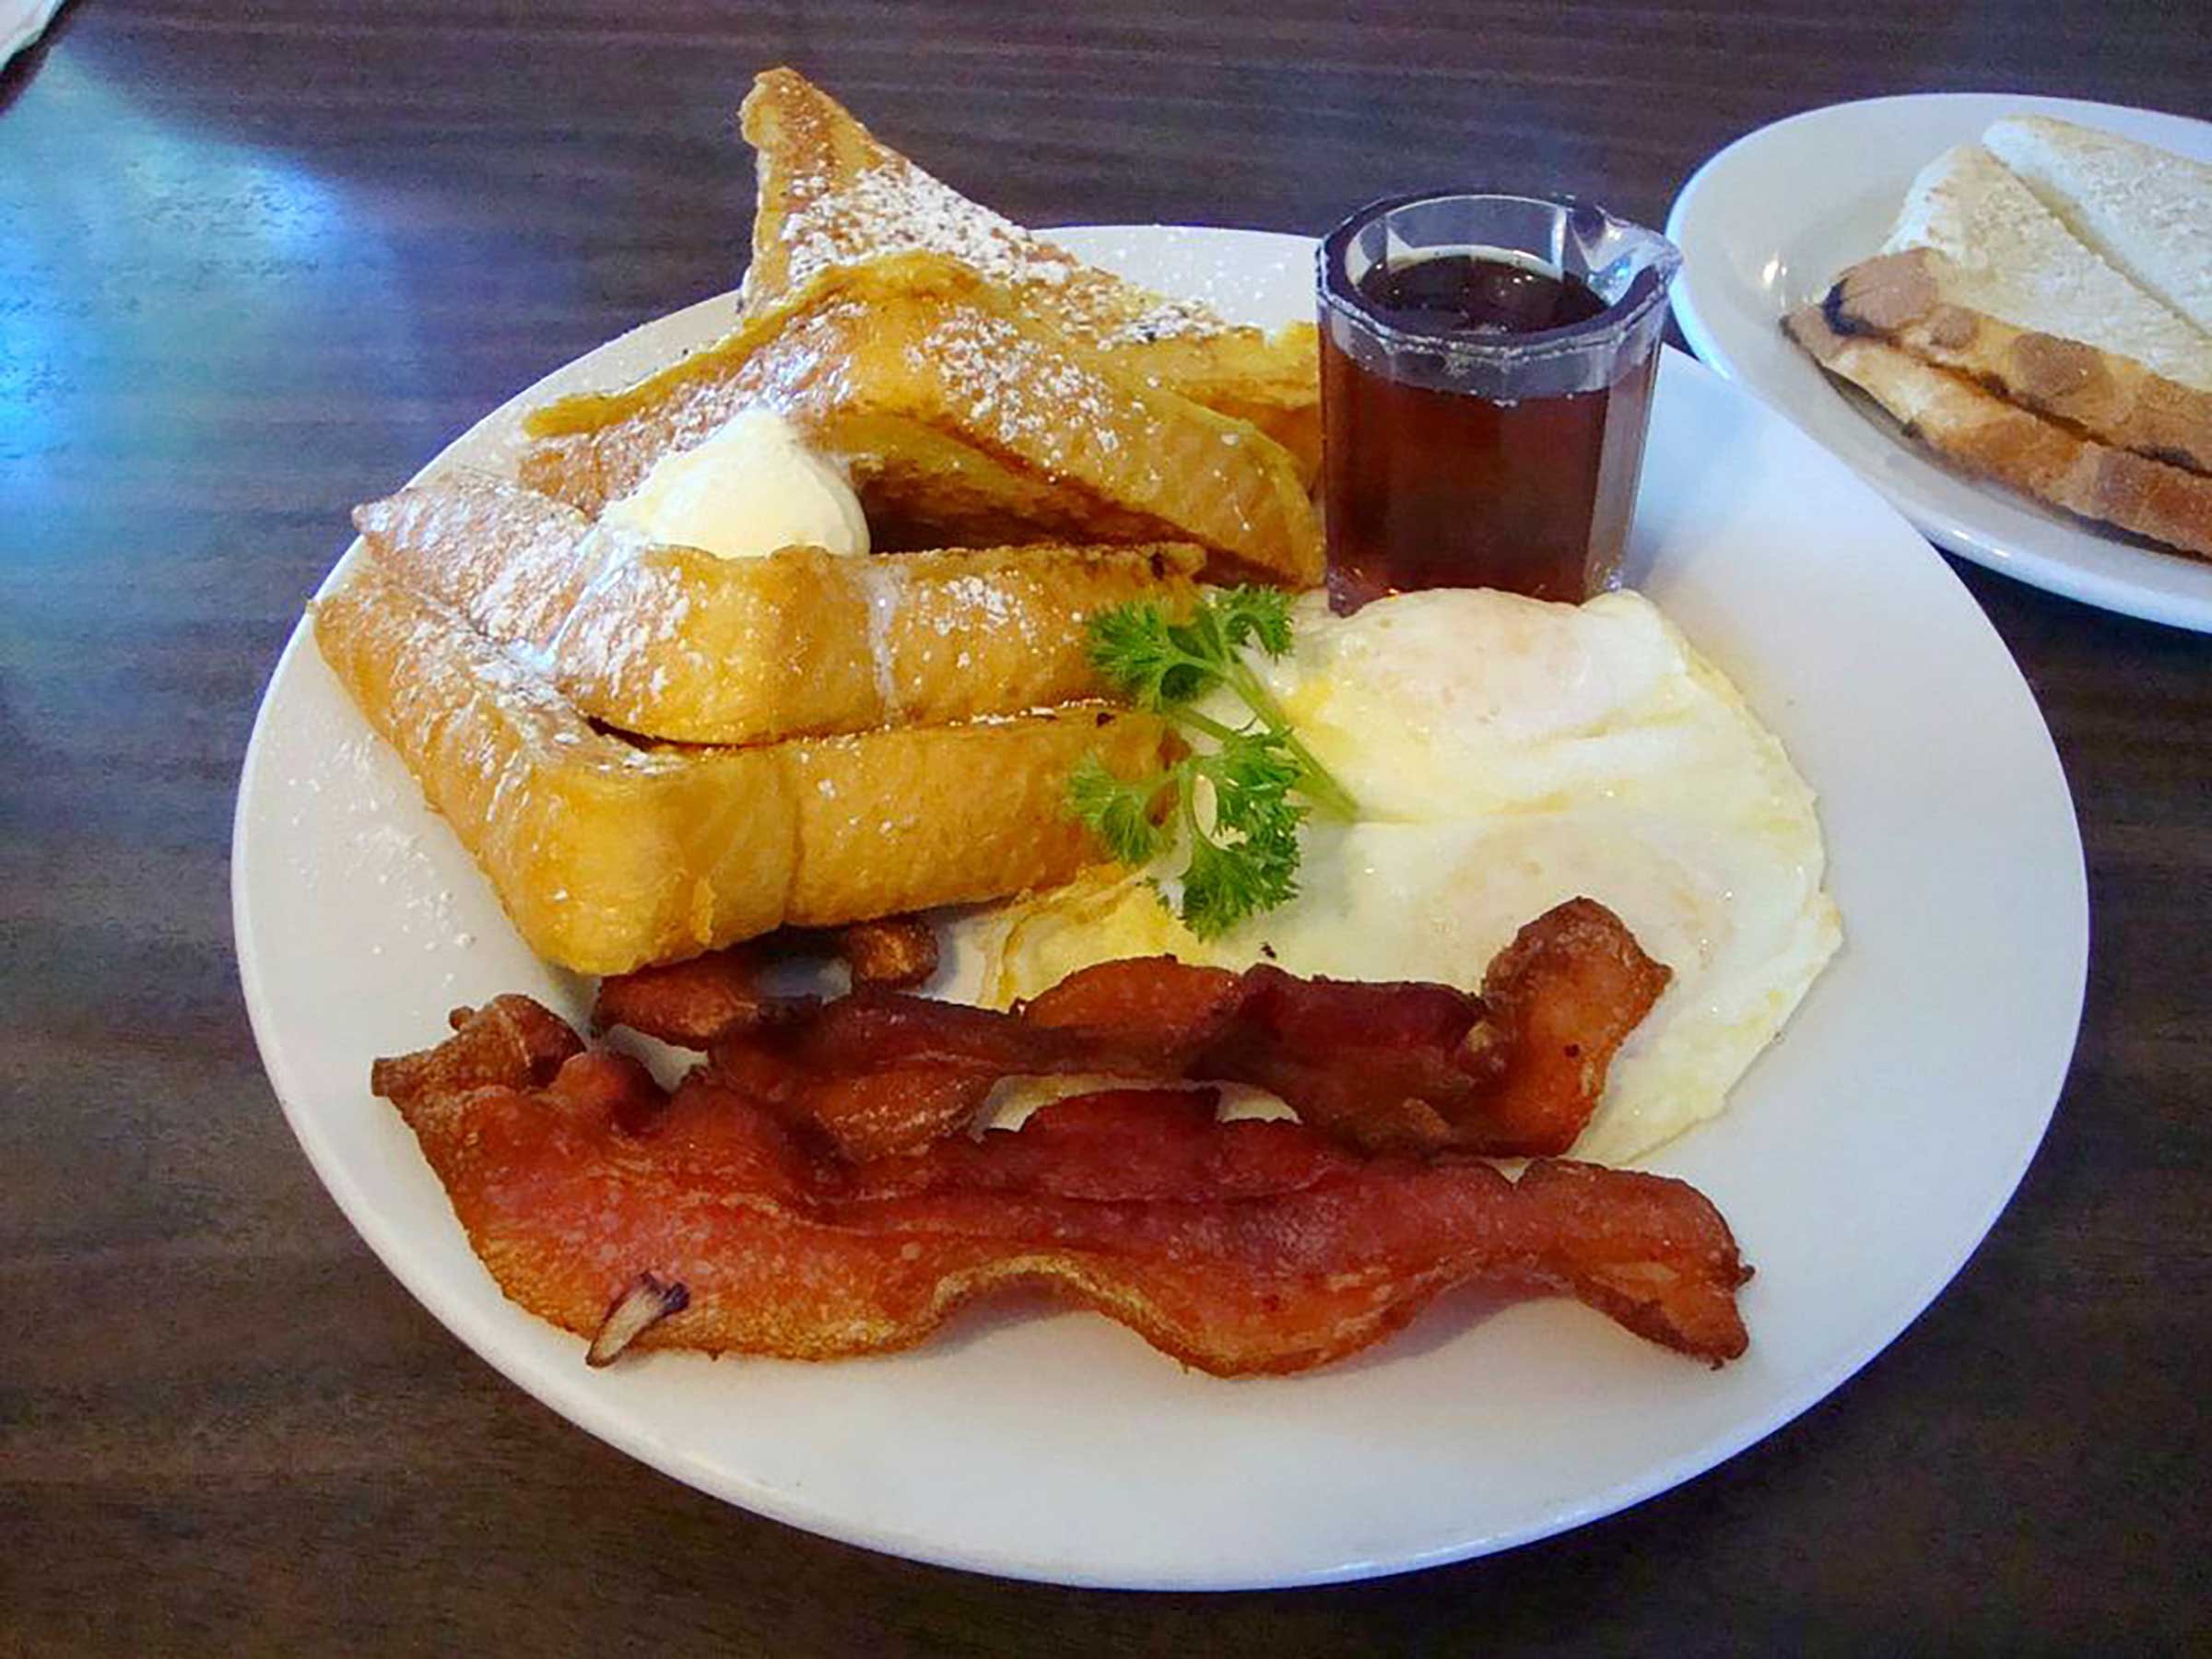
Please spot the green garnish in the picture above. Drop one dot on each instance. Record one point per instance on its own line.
(1244, 852)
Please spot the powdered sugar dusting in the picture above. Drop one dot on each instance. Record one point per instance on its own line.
(507, 557)
(885, 588)
(1037, 399)
(895, 207)
(629, 640)
(370, 839)
(440, 645)
(980, 602)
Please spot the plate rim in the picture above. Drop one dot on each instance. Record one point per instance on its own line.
(1961, 535)
(571, 1398)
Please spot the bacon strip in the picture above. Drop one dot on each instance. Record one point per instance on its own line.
(1401, 1066)
(900, 952)
(691, 1001)
(1237, 1247)
(695, 1001)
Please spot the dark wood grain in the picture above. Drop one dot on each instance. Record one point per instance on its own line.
(257, 261)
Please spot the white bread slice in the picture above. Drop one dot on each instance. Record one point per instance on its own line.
(2029, 454)
(2018, 264)
(1906, 299)
(608, 855)
(2147, 211)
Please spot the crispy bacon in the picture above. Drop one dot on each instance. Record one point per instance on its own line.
(1404, 1067)
(696, 1000)
(509, 1037)
(1397, 1066)
(898, 952)
(1237, 1247)
(690, 1002)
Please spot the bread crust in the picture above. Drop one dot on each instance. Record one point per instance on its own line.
(609, 855)
(1906, 299)
(2015, 446)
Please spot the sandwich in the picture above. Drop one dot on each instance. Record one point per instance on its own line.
(656, 742)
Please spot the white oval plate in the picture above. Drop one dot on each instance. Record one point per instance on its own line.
(1765, 226)
(1864, 1157)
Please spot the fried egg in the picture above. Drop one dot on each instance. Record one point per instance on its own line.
(1509, 754)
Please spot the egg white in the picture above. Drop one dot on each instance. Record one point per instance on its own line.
(1509, 754)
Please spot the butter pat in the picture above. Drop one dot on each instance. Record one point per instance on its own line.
(752, 487)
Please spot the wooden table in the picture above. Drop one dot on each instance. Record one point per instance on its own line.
(257, 263)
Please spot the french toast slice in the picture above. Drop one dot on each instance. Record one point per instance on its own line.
(832, 192)
(675, 643)
(1908, 299)
(963, 420)
(2015, 446)
(609, 855)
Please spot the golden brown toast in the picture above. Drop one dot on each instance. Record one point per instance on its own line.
(832, 192)
(608, 855)
(513, 561)
(963, 420)
(673, 643)
(1909, 299)
(2014, 446)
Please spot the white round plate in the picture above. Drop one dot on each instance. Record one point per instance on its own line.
(1865, 1156)
(1765, 226)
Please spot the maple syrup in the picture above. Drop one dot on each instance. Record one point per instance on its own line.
(1484, 415)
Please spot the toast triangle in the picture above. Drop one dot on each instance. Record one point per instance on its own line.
(831, 194)
(2014, 260)
(2146, 211)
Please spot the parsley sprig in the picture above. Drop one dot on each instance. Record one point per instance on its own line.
(1243, 840)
